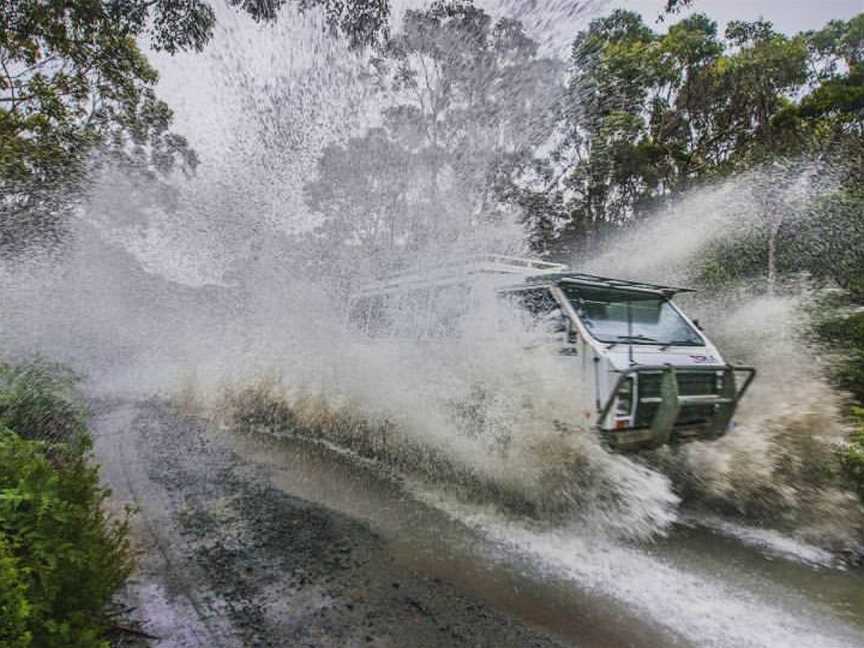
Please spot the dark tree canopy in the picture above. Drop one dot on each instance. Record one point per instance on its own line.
(76, 91)
(673, 6)
(73, 81)
(651, 114)
(363, 22)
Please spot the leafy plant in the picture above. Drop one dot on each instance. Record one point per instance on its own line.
(38, 400)
(61, 550)
(852, 456)
(846, 337)
(77, 92)
(14, 607)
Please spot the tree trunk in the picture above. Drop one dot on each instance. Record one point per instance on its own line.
(772, 258)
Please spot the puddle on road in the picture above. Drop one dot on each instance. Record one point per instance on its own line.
(430, 541)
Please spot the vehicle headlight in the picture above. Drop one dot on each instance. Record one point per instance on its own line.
(624, 402)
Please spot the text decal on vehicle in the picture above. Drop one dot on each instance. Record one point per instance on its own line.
(702, 358)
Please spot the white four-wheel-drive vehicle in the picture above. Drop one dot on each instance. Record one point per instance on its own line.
(656, 377)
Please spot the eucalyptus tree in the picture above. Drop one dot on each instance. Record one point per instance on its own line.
(76, 90)
(832, 243)
(362, 191)
(650, 114)
(466, 96)
(468, 90)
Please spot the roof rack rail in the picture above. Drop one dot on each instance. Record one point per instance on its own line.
(456, 268)
(611, 282)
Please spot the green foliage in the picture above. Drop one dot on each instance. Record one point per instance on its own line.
(846, 331)
(842, 96)
(76, 93)
(673, 6)
(852, 456)
(61, 556)
(39, 401)
(845, 336)
(14, 606)
(829, 244)
(74, 81)
(69, 554)
(650, 114)
(362, 22)
(645, 115)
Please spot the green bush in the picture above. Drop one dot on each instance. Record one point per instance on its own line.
(845, 335)
(70, 557)
(39, 400)
(14, 607)
(852, 455)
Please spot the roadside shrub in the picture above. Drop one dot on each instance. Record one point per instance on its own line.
(852, 455)
(261, 406)
(846, 337)
(39, 400)
(14, 607)
(69, 555)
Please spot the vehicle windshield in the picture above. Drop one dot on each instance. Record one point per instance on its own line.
(620, 316)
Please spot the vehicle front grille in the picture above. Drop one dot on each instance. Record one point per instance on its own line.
(689, 384)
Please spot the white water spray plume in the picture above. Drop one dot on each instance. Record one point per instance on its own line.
(234, 295)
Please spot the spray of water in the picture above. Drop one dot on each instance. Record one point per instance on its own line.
(778, 466)
(221, 299)
(226, 284)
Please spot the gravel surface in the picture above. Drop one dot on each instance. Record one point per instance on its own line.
(229, 560)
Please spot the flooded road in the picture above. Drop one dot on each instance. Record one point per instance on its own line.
(700, 586)
(227, 559)
(427, 539)
(248, 539)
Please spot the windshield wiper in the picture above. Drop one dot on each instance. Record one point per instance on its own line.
(666, 345)
(630, 338)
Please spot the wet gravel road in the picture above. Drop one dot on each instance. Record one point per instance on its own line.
(226, 559)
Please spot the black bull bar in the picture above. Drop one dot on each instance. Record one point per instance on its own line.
(662, 429)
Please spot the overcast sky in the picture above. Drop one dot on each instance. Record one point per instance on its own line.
(789, 16)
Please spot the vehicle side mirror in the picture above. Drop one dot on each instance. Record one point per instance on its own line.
(697, 324)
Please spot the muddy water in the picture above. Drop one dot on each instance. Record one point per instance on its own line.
(838, 588)
(426, 539)
(698, 587)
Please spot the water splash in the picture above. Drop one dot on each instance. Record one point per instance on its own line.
(222, 286)
(704, 610)
(778, 467)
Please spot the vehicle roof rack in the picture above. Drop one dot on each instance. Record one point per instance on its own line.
(586, 279)
(457, 268)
